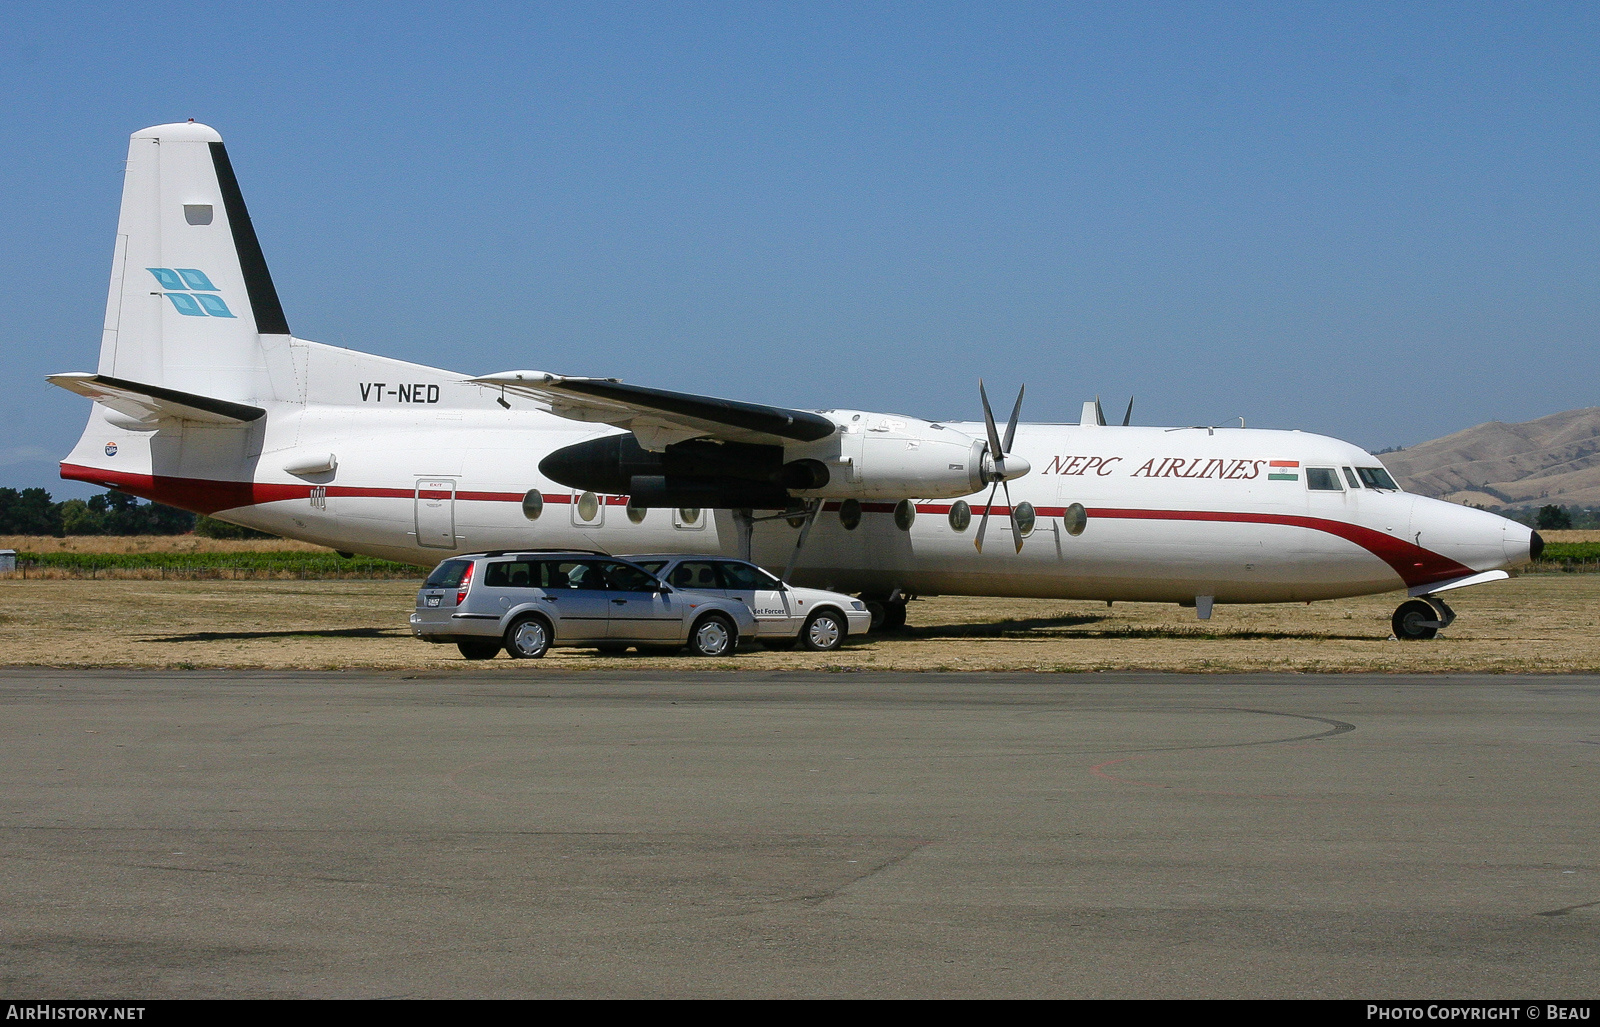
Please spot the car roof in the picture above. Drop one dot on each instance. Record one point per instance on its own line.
(538, 552)
(682, 556)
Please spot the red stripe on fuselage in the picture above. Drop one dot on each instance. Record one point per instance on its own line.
(1415, 565)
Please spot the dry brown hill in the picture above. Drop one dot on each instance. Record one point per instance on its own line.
(1554, 459)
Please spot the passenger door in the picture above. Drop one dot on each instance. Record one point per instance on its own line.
(436, 513)
(763, 594)
(640, 612)
(575, 592)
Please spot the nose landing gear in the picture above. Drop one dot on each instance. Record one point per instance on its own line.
(1420, 619)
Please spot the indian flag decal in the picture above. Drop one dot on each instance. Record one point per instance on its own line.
(1283, 470)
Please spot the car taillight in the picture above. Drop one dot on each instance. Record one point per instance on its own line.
(466, 583)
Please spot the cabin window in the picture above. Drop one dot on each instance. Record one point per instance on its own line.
(1350, 476)
(1377, 478)
(960, 515)
(587, 509)
(688, 518)
(533, 504)
(1323, 479)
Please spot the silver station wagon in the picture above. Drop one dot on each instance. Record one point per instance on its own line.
(786, 615)
(526, 602)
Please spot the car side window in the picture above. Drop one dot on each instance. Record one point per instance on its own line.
(695, 574)
(1323, 479)
(509, 574)
(572, 574)
(625, 578)
(742, 576)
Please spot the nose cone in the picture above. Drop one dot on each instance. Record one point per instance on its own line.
(1521, 543)
(1016, 466)
(1475, 538)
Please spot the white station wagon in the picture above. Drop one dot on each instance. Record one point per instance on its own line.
(785, 615)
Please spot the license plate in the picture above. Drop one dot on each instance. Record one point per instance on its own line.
(433, 600)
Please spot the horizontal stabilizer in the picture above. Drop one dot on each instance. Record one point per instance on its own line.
(146, 405)
(657, 417)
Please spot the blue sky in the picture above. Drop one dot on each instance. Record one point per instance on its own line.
(1372, 221)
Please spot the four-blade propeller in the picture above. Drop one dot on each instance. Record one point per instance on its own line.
(1000, 466)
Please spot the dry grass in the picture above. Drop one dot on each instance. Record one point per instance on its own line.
(1571, 535)
(1536, 623)
(153, 544)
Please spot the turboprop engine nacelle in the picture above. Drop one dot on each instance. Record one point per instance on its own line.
(890, 456)
(869, 456)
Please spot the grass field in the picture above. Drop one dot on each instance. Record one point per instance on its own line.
(1544, 622)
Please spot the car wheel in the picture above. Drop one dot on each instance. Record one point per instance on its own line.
(485, 650)
(824, 631)
(713, 635)
(528, 638)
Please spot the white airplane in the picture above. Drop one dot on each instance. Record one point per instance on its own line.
(203, 399)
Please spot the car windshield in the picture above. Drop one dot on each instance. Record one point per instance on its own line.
(1377, 478)
(447, 574)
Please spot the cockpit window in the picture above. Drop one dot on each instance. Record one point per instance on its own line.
(1377, 478)
(1323, 479)
(1350, 476)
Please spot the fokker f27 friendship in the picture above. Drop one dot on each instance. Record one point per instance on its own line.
(205, 400)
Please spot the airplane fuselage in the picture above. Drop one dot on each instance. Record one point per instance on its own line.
(423, 465)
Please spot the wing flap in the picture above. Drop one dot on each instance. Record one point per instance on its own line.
(659, 417)
(149, 404)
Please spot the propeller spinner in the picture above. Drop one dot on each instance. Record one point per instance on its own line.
(1000, 466)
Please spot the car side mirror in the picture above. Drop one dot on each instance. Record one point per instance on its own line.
(662, 589)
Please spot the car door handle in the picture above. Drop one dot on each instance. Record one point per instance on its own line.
(620, 602)
(549, 599)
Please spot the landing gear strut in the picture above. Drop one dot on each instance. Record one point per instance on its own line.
(887, 614)
(1420, 619)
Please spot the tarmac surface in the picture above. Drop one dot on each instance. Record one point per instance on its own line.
(277, 834)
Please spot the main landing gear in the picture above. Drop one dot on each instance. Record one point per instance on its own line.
(887, 614)
(1419, 619)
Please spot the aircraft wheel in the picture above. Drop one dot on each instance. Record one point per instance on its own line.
(713, 635)
(894, 616)
(1415, 621)
(485, 650)
(879, 611)
(824, 631)
(528, 638)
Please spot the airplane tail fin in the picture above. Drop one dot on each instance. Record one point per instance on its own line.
(192, 306)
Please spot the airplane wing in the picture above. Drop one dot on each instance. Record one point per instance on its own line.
(151, 403)
(659, 418)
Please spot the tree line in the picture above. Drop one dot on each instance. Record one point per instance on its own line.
(34, 512)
